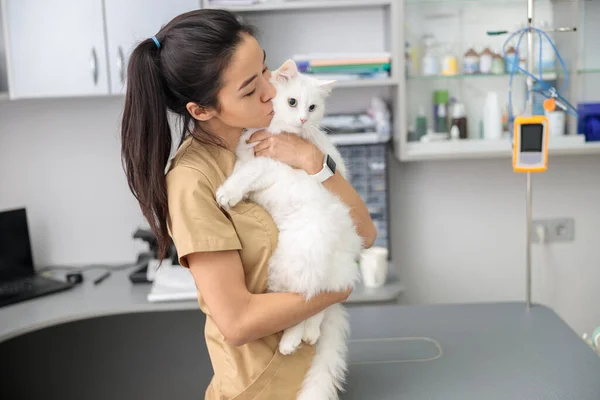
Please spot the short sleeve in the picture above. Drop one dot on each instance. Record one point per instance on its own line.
(196, 223)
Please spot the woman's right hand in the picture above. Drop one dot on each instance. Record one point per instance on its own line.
(242, 316)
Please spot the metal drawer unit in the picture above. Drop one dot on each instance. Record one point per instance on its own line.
(367, 167)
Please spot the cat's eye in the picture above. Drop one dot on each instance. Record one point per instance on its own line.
(292, 102)
(312, 108)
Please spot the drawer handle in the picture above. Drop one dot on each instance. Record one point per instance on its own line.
(94, 66)
(121, 65)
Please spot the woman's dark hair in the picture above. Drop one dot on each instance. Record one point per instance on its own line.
(194, 50)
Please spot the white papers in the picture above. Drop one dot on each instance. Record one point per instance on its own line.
(172, 283)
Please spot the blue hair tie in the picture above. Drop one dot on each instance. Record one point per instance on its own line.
(156, 42)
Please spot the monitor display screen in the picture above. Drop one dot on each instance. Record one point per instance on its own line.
(532, 136)
(15, 248)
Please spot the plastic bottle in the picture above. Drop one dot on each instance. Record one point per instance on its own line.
(441, 119)
(420, 124)
(505, 122)
(548, 61)
(497, 63)
(449, 62)
(430, 61)
(409, 71)
(459, 121)
(511, 60)
(471, 61)
(440, 111)
(556, 122)
(492, 117)
(485, 61)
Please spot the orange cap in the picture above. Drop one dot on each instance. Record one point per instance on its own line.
(550, 104)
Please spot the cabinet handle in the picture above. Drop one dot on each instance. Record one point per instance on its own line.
(121, 65)
(94, 66)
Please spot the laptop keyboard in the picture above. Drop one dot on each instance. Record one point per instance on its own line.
(12, 288)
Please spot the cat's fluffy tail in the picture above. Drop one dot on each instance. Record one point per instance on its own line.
(327, 373)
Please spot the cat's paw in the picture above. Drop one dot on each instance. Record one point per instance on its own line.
(228, 196)
(312, 333)
(290, 341)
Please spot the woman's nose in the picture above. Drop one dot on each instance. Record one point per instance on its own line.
(268, 93)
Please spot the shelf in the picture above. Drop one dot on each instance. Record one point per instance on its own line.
(271, 5)
(426, 2)
(359, 83)
(4, 96)
(590, 71)
(546, 76)
(500, 148)
(346, 139)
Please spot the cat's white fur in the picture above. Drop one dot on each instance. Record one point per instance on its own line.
(318, 242)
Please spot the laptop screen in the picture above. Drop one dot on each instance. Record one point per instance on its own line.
(15, 248)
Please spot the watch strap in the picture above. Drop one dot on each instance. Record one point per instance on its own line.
(325, 172)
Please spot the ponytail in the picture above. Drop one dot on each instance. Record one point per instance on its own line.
(146, 140)
(183, 63)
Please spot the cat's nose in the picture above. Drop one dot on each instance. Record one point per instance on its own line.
(303, 121)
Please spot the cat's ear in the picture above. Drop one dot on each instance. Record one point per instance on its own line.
(326, 85)
(288, 70)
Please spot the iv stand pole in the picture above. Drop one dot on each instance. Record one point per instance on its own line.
(530, 67)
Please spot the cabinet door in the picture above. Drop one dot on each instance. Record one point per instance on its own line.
(129, 22)
(55, 48)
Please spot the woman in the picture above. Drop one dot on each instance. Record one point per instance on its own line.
(207, 68)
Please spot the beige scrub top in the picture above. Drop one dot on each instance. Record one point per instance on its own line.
(255, 370)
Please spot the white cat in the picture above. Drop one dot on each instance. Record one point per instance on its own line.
(318, 242)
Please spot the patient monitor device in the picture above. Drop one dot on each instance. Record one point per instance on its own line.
(530, 146)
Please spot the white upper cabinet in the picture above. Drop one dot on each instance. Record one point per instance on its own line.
(130, 21)
(55, 48)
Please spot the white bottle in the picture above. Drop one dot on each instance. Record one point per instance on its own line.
(556, 122)
(548, 62)
(430, 61)
(485, 60)
(492, 117)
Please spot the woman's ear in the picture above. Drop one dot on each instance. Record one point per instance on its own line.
(288, 70)
(199, 113)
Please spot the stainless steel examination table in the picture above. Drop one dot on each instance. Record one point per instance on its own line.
(469, 352)
(466, 352)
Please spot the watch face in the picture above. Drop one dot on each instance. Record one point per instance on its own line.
(331, 163)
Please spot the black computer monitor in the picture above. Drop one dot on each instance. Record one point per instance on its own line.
(16, 259)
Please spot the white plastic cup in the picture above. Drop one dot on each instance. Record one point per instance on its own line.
(374, 266)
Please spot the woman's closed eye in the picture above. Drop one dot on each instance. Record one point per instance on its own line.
(254, 91)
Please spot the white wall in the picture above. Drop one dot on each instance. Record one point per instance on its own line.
(61, 160)
(458, 234)
(457, 227)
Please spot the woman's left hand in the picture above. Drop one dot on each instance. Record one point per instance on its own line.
(288, 148)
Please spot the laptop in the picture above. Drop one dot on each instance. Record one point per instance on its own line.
(18, 280)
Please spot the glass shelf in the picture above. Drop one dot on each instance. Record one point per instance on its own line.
(547, 75)
(478, 148)
(413, 3)
(589, 71)
(283, 5)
